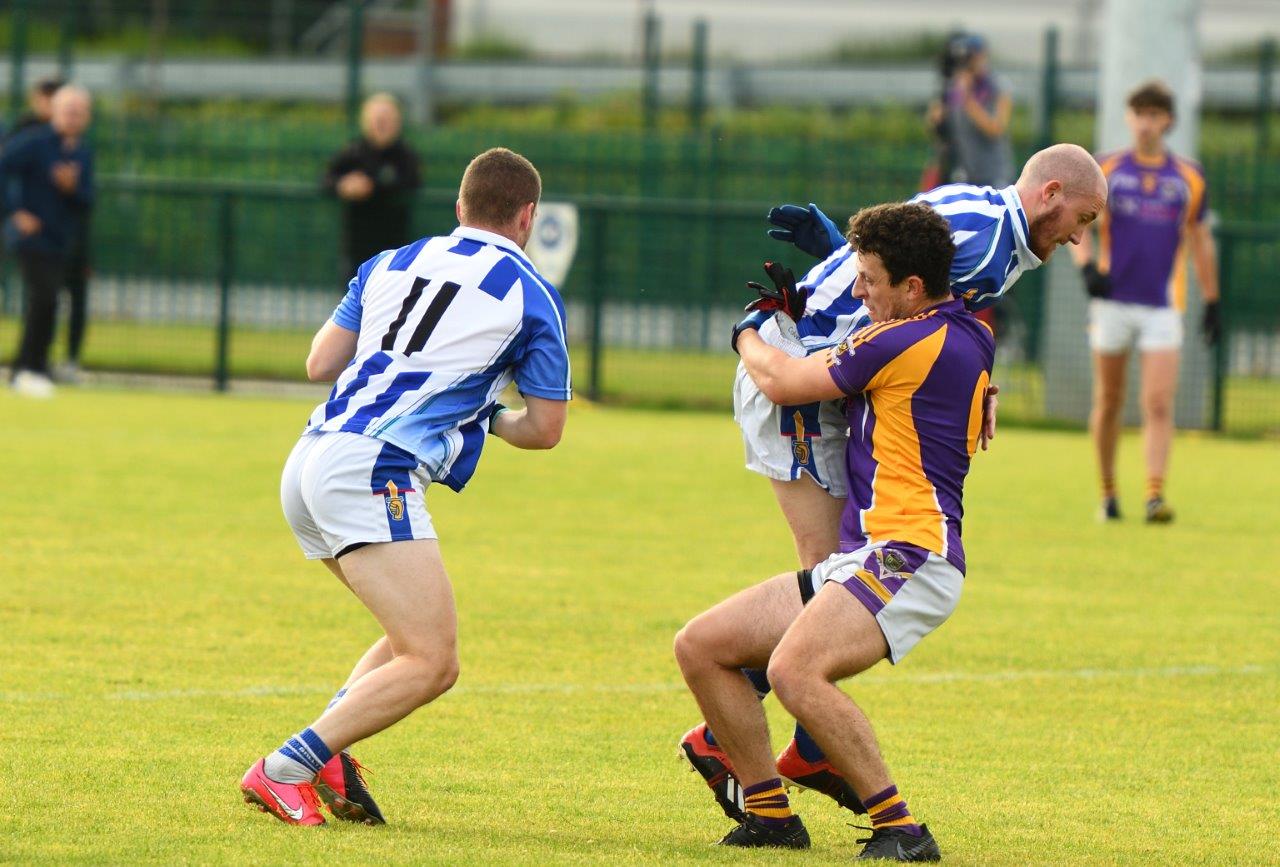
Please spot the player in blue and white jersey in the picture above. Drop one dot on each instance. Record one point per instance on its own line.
(999, 234)
(421, 347)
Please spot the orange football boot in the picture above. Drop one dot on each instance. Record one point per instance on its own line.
(292, 803)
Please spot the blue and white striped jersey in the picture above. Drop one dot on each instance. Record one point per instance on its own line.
(990, 231)
(445, 324)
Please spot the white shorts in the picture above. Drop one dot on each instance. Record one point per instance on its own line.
(783, 442)
(1116, 327)
(341, 491)
(910, 591)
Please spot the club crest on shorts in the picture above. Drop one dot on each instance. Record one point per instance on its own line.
(395, 502)
(892, 560)
(800, 445)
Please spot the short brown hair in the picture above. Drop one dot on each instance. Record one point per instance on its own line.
(910, 239)
(1151, 94)
(496, 185)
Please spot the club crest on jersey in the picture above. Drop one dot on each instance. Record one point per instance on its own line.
(395, 502)
(833, 358)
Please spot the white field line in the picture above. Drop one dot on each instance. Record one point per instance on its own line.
(659, 688)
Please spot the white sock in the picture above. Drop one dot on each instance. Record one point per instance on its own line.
(283, 769)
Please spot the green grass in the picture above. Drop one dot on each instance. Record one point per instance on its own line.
(1105, 694)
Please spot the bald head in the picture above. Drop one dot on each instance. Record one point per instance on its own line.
(70, 110)
(1063, 190)
(380, 119)
(1070, 165)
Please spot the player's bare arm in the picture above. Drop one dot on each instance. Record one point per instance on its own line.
(785, 380)
(537, 426)
(332, 349)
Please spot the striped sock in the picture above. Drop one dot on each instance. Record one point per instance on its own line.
(888, 809)
(1155, 487)
(299, 759)
(337, 697)
(768, 802)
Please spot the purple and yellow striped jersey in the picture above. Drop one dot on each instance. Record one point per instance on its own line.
(1142, 233)
(916, 390)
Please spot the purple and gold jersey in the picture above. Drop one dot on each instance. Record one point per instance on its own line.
(1150, 208)
(916, 390)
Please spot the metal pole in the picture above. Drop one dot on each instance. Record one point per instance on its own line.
(599, 276)
(17, 58)
(652, 59)
(226, 274)
(66, 43)
(1266, 66)
(1226, 255)
(1049, 87)
(698, 84)
(424, 97)
(355, 50)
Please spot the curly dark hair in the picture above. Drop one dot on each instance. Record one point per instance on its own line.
(911, 239)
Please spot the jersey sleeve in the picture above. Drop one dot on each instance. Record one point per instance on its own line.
(1198, 206)
(973, 279)
(855, 362)
(350, 309)
(543, 367)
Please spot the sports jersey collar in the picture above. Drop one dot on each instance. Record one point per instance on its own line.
(1021, 229)
(486, 237)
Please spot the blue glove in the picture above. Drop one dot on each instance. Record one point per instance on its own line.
(808, 228)
(753, 319)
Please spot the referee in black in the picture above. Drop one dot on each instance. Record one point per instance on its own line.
(46, 185)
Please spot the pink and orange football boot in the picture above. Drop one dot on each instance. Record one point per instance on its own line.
(713, 764)
(292, 803)
(820, 776)
(340, 784)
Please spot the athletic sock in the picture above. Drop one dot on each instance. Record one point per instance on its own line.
(1108, 487)
(299, 759)
(711, 739)
(337, 697)
(768, 802)
(1155, 487)
(807, 746)
(759, 679)
(888, 809)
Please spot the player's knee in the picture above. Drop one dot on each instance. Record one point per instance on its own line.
(690, 646)
(431, 678)
(792, 681)
(1158, 408)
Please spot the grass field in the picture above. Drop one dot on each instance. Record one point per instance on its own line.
(1105, 694)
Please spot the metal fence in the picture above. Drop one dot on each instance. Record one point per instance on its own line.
(224, 280)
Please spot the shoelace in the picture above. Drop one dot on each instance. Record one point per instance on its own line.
(360, 770)
(863, 828)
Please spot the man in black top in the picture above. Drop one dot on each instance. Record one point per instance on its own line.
(375, 177)
(46, 180)
(40, 102)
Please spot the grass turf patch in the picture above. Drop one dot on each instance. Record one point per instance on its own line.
(1104, 694)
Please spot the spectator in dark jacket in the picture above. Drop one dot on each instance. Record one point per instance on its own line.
(40, 107)
(46, 178)
(375, 177)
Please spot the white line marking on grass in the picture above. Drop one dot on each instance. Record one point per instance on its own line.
(1176, 671)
